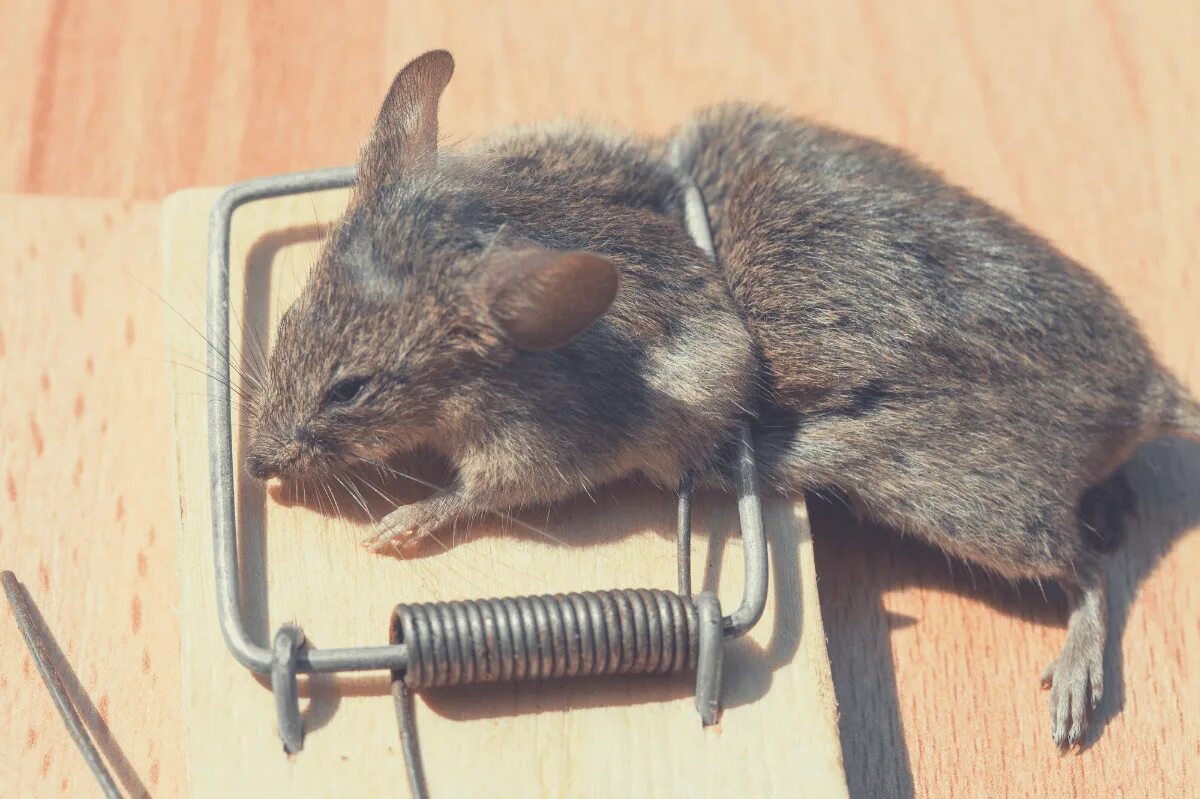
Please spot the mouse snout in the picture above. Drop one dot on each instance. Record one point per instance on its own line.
(260, 468)
(268, 459)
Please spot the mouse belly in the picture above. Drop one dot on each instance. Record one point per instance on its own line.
(996, 491)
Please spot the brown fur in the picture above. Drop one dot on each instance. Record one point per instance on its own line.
(894, 338)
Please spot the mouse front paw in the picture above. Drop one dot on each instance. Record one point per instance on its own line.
(398, 532)
(402, 529)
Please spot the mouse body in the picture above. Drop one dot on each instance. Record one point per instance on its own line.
(534, 309)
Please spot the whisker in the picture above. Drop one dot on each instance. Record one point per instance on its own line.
(195, 329)
(237, 390)
(250, 338)
(329, 492)
(355, 495)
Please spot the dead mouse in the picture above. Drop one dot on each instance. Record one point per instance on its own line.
(534, 309)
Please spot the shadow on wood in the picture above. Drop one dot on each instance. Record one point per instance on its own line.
(858, 564)
(250, 350)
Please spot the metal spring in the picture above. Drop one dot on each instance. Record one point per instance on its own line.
(630, 631)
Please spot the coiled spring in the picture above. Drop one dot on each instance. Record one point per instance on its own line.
(630, 631)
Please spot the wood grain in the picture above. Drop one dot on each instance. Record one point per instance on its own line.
(86, 517)
(136, 99)
(591, 738)
(1080, 116)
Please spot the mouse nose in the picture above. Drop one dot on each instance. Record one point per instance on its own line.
(260, 469)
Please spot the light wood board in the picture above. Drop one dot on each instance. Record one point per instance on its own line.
(86, 518)
(593, 738)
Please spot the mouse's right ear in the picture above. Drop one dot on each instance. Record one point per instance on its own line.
(542, 299)
(404, 139)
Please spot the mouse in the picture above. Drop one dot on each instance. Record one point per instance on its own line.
(533, 308)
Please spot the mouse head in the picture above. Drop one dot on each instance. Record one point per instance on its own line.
(415, 296)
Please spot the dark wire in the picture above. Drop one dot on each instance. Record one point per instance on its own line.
(683, 535)
(408, 737)
(18, 599)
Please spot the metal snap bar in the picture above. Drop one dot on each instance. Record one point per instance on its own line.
(285, 648)
(610, 632)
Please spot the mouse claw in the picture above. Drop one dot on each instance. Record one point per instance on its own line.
(406, 541)
(397, 542)
(401, 530)
(1047, 679)
(375, 543)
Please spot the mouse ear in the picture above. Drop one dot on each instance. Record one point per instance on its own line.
(542, 299)
(405, 135)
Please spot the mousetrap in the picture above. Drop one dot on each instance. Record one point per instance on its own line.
(580, 684)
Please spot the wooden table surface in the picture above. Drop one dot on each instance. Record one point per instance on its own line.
(1081, 117)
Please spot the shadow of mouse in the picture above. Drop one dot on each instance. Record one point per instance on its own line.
(615, 512)
(859, 564)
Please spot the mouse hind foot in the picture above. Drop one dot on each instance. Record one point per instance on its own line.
(1076, 677)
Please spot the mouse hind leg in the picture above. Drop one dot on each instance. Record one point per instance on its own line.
(1014, 521)
(1076, 677)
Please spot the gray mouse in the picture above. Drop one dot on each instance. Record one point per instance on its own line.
(534, 309)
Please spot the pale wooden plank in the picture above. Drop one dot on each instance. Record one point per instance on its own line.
(137, 99)
(85, 503)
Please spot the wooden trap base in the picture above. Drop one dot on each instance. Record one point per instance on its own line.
(634, 736)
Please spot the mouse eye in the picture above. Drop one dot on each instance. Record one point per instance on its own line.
(344, 392)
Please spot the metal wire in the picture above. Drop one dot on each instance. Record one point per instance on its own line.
(712, 658)
(285, 648)
(631, 631)
(402, 698)
(683, 535)
(18, 599)
(754, 539)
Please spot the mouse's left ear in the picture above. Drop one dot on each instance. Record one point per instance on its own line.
(542, 299)
(404, 139)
